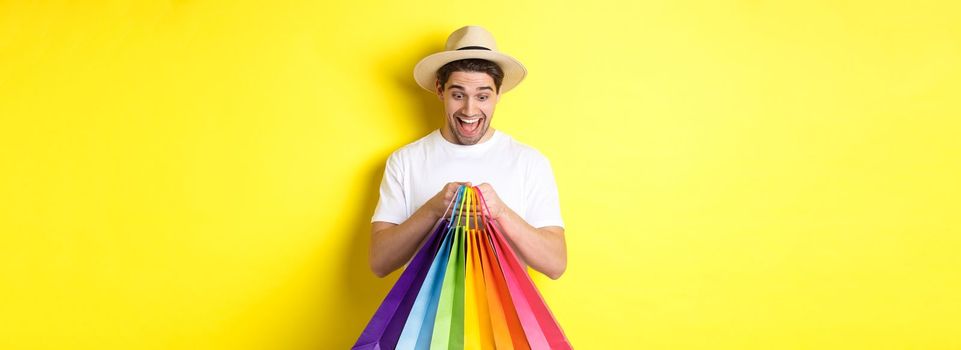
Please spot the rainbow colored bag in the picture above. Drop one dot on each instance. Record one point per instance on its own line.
(465, 288)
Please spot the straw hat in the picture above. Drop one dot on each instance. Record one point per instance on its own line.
(469, 42)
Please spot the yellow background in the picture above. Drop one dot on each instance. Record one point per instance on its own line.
(733, 174)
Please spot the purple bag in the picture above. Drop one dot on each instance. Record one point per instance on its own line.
(385, 326)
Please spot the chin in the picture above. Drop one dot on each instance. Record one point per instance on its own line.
(467, 141)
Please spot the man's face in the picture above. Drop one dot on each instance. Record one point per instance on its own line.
(469, 100)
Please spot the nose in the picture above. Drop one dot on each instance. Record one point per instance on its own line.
(470, 107)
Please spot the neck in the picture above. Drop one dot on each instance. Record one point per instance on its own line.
(446, 133)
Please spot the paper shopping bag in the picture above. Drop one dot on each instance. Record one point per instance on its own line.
(385, 326)
(419, 326)
(449, 322)
(478, 330)
(467, 289)
(540, 326)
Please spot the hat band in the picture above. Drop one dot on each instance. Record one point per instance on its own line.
(473, 48)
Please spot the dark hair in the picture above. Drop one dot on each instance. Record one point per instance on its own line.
(471, 65)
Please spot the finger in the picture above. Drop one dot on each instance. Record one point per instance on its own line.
(488, 193)
(450, 192)
(451, 189)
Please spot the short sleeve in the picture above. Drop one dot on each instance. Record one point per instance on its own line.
(392, 205)
(543, 204)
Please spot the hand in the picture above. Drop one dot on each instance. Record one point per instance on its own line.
(494, 204)
(441, 201)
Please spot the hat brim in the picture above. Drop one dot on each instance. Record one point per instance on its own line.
(425, 72)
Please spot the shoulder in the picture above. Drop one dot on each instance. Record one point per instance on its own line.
(523, 151)
(414, 149)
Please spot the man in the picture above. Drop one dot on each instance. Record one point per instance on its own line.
(469, 78)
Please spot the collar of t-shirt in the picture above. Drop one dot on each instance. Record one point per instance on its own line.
(467, 149)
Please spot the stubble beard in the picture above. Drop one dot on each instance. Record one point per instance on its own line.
(463, 140)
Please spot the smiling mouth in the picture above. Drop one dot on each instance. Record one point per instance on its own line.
(469, 127)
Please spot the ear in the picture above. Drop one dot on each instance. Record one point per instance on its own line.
(439, 90)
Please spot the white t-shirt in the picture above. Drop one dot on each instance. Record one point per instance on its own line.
(521, 176)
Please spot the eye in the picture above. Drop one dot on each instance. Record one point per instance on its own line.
(482, 98)
(457, 96)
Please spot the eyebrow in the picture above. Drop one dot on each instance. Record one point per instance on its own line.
(455, 86)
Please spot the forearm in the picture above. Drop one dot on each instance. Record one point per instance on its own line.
(392, 245)
(544, 249)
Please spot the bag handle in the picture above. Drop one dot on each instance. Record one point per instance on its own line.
(476, 195)
(467, 202)
(468, 207)
(488, 210)
(463, 199)
(453, 202)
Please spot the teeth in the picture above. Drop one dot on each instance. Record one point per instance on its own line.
(469, 121)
